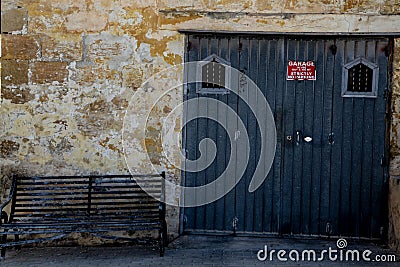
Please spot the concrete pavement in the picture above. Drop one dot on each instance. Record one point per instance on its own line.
(198, 251)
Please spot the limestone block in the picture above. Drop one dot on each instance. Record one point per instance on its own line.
(20, 95)
(13, 20)
(14, 72)
(62, 47)
(19, 46)
(86, 21)
(394, 213)
(8, 147)
(49, 72)
(390, 7)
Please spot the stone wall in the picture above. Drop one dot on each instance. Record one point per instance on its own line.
(69, 69)
(394, 183)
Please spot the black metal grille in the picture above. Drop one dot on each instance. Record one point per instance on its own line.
(360, 78)
(213, 75)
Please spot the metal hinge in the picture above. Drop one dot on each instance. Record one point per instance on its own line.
(386, 94)
(328, 228)
(185, 90)
(331, 138)
(240, 47)
(383, 161)
(333, 49)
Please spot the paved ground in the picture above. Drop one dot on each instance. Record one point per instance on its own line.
(191, 251)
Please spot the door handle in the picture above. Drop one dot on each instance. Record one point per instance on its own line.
(298, 138)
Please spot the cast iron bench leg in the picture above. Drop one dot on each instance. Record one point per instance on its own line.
(17, 239)
(161, 240)
(3, 250)
(165, 234)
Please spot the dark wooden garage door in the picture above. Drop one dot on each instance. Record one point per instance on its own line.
(333, 183)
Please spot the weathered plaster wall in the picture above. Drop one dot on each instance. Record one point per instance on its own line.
(70, 68)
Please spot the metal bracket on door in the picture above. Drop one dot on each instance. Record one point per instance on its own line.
(298, 138)
(331, 138)
(328, 228)
(235, 223)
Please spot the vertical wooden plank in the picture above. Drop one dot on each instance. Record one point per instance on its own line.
(252, 126)
(264, 211)
(347, 157)
(182, 211)
(253, 218)
(326, 148)
(288, 121)
(299, 114)
(308, 121)
(379, 184)
(337, 126)
(357, 144)
(367, 153)
(202, 128)
(278, 51)
(241, 190)
(272, 194)
(210, 211)
(223, 147)
(319, 140)
(233, 53)
(191, 134)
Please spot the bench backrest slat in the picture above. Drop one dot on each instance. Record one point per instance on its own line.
(63, 197)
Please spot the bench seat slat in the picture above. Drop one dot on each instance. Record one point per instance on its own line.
(72, 204)
(93, 222)
(72, 182)
(80, 198)
(58, 211)
(77, 188)
(24, 195)
(75, 229)
(33, 221)
(100, 215)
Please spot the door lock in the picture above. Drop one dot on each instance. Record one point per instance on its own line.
(298, 138)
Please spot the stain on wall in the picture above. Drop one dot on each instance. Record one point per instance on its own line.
(69, 68)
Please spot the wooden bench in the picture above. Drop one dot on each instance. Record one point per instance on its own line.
(49, 208)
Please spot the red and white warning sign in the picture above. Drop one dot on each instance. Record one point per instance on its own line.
(301, 70)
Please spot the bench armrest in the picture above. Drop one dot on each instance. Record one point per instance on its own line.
(5, 204)
(8, 200)
(161, 210)
(3, 217)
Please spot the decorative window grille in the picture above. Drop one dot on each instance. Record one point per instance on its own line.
(360, 79)
(213, 76)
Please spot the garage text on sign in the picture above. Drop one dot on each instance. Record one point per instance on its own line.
(301, 70)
